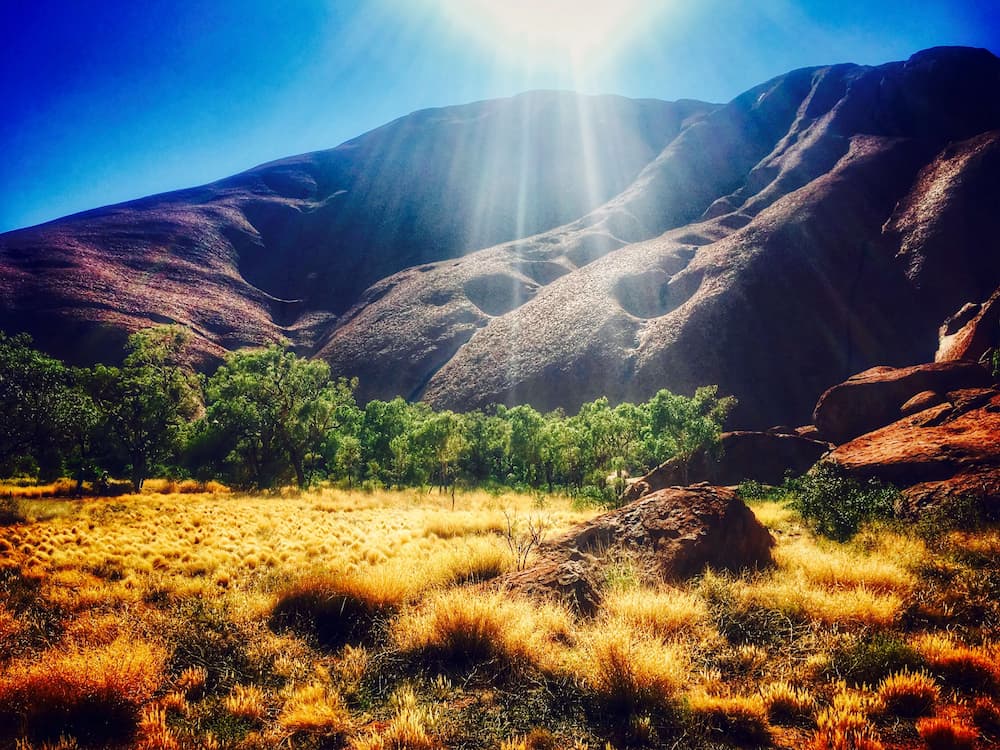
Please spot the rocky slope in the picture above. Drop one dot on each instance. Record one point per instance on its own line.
(284, 249)
(829, 220)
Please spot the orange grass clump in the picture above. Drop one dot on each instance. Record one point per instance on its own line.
(458, 628)
(908, 694)
(844, 725)
(93, 694)
(945, 734)
(786, 704)
(316, 709)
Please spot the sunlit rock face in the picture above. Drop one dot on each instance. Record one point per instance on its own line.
(821, 223)
(283, 250)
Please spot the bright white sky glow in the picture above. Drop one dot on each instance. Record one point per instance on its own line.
(544, 33)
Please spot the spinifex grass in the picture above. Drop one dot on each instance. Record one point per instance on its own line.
(370, 620)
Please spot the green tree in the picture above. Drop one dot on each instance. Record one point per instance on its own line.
(381, 423)
(441, 442)
(680, 426)
(148, 402)
(32, 387)
(271, 411)
(526, 426)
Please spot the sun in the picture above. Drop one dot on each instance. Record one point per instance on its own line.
(539, 33)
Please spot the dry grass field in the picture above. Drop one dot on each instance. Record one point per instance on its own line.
(333, 619)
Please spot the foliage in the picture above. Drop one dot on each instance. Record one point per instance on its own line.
(270, 418)
(873, 657)
(146, 404)
(273, 412)
(838, 505)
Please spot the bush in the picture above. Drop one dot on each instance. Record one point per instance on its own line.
(93, 694)
(945, 734)
(870, 659)
(908, 694)
(837, 505)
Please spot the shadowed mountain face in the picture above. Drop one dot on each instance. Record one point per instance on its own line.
(283, 249)
(824, 222)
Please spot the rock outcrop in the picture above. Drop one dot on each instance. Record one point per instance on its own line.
(876, 397)
(668, 535)
(972, 333)
(943, 454)
(764, 457)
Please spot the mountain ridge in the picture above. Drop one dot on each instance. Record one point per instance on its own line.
(814, 214)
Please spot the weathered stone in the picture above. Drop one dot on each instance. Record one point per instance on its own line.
(760, 456)
(873, 398)
(920, 402)
(669, 535)
(971, 333)
(949, 451)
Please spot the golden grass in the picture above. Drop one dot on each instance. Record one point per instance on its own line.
(460, 627)
(787, 704)
(316, 709)
(224, 597)
(958, 665)
(844, 724)
(946, 734)
(627, 671)
(93, 692)
(741, 719)
(247, 702)
(410, 728)
(666, 612)
(908, 694)
(776, 515)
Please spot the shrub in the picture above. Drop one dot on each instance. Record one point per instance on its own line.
(908, 694)
(873, 657)
(93, 694)
(788, 705)
(837, 505)
(316, 709)
(844, 725)
(338, 609)
(739, 719)
(751, 490)
(946, 734)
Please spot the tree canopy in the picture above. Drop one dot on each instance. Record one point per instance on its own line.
(268, 417)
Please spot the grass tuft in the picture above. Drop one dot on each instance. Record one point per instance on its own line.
(908, 694)
(788, 705)
(338, 609)
(94, 694)
(946, 734)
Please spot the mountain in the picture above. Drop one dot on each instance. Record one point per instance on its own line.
(553, 248)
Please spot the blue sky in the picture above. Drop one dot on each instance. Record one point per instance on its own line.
(107, 101)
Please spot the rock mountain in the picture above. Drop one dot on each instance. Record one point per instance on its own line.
(552, 248)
